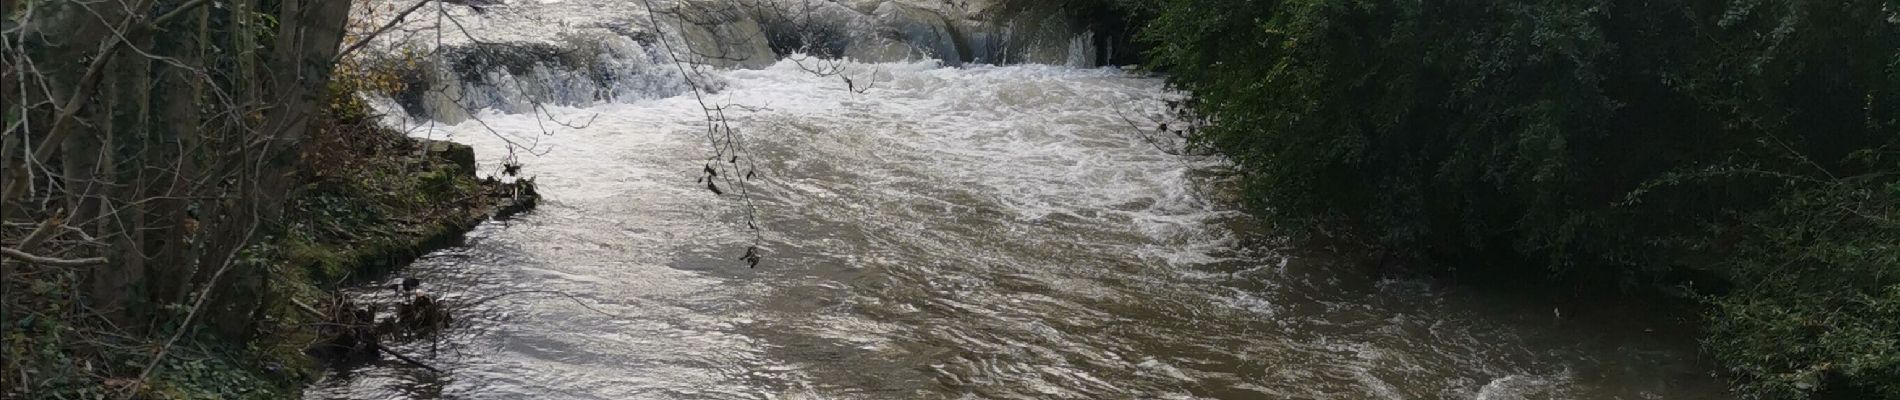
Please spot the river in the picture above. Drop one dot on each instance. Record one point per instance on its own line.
(927, 230)
(976, 232)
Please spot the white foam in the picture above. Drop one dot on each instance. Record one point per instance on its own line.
(1519, 387)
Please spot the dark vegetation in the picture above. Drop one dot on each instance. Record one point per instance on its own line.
(1741, 154)
(179, 176)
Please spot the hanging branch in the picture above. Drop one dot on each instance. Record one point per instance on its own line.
(717, 127)
(385, 28)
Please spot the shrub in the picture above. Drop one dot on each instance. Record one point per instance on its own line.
(1593, 141)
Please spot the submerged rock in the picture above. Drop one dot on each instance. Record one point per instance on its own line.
(924, 30)
(721, 34)
(460, 155)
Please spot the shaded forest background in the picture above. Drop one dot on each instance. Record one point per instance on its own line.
(1742, 154)
(186, 184)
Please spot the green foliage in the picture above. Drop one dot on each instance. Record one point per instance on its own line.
(220, 374)
(1591, 140)
(368, 201)
(372, 197)
(75, 358)
(1820, 299)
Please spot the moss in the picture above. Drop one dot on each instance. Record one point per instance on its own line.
(371, 202)
(349, 225)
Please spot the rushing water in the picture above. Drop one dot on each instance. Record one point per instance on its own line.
(982, 232)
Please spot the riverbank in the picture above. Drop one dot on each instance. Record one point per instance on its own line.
(371, 200)
(1605, 149)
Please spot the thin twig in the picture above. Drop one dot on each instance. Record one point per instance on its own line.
(379, 31)
(306, 308)
(57, 262)
(185, 326)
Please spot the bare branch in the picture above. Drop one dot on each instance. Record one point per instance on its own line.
(57, 262)
(177, 12)
(40, 233)
(379, 31)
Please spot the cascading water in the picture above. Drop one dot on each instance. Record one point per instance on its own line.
(976, 232)
(517, 77)
(585, 52)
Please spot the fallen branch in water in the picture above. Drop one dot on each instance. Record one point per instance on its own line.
(377, 346)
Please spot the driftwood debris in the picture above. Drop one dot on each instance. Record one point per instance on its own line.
(368, 343)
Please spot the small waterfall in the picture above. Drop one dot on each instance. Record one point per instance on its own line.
(1082, 50)
(620, 60)
(515, 77)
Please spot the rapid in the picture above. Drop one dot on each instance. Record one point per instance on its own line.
(949, 232)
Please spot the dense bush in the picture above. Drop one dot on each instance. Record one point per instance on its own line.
(1757, 141)
(1820, 305)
